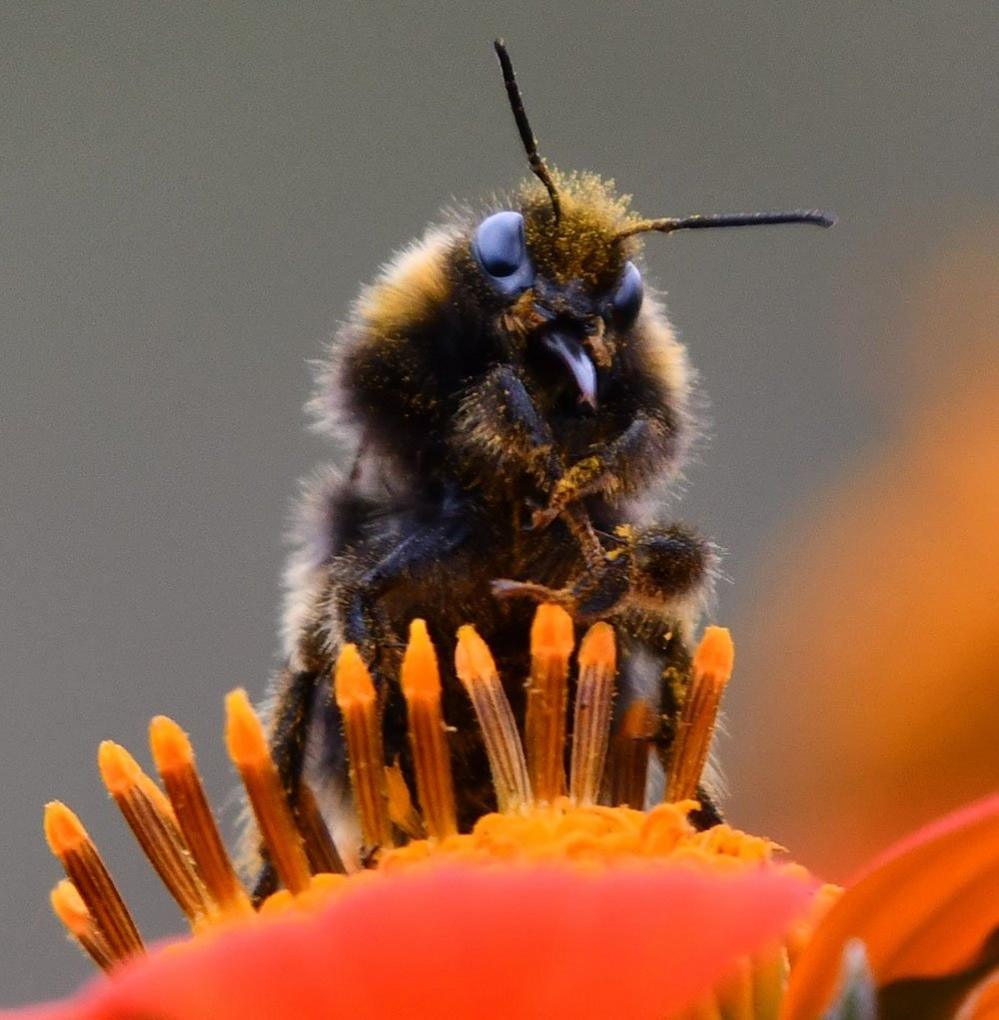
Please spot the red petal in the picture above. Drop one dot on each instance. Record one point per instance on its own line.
(924, 909)
(471, 943)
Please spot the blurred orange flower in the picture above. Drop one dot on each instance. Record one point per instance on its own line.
(881, 615)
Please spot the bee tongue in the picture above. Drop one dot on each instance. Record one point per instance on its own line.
(570, 352)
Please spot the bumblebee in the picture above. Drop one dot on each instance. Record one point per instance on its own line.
(513, 393)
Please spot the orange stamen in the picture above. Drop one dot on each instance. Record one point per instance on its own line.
(248, 749)
(119, 770)
(477, 671)
(174, 758)
(155, 831)
(152, 790)
(68, 906)
(358, 703)
(591, 729)
(711, 671)
(69, 841)
(547, 697)
(630, 755)
(64, 832)
(421, 686)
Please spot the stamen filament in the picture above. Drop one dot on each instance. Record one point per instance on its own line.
(711, 671)
(155, 833)
(358, 703)
(477, 671)
(175, 762)
(248, 749)
(68, 840)
(421, 687)
(630, 755)
(68, 906)
(552, 640)
(591, 723)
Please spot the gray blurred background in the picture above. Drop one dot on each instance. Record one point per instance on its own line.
(190, 196)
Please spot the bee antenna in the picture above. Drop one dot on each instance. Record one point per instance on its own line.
(538, 166)
(668, 225)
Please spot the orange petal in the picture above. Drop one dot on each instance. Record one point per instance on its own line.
(924, 909)
(480, 944)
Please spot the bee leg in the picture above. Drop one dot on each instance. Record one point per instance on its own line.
(600, 595)
(673, 688)
(501, 431)
(618, 466)
(672, 562)
(419, 553)
(505, 588)
(362, 621)
(709, 813)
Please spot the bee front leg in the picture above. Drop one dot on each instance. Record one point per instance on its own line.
(619, 466)
(502, 434)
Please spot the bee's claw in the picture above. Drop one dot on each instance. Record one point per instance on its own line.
(503, 587)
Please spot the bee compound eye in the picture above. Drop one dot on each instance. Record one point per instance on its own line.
(499, 243)
(627, 299)
(501, 251)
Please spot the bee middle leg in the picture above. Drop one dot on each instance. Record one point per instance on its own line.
(596, 594)
(361, 618)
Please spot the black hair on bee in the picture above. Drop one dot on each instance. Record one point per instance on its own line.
(511, 393)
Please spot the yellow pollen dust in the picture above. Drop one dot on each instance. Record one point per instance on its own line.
(591, 835)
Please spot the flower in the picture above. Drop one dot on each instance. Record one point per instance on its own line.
(466, 943)
(926, 913)
(556, 906)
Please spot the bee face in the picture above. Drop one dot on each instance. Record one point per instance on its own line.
(566, 290)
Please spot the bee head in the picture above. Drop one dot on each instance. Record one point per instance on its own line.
(567, 290)
(560, 266)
